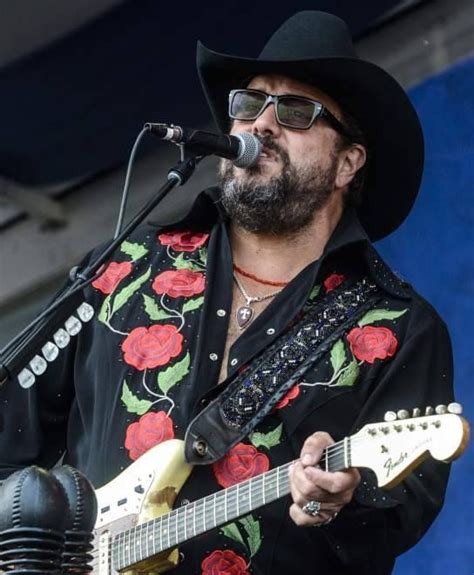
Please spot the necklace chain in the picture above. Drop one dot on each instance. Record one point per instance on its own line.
(242, 272)
(253, 299)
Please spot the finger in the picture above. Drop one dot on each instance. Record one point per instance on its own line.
(324, 516)
(302, 488)
(331, 483)
(314, 446)
(307, 483)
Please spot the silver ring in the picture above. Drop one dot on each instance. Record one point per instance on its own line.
(312, 508)
(330, 518)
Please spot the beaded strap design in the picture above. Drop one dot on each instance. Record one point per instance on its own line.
(255, 390)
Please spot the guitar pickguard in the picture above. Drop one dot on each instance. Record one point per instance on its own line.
(145, 490)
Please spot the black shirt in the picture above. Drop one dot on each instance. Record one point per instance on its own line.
(145, 365)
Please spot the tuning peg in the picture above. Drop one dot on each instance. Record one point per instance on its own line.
(455, 408)
(390, 416)
(440, 409)
(429, 410)
(403, 414)
(416, 412)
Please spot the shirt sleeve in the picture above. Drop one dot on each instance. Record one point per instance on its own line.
(34, 420)
(380, 524)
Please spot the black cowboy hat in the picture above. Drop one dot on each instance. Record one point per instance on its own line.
(316, 48)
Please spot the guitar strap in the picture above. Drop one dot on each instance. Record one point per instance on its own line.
(254, 391)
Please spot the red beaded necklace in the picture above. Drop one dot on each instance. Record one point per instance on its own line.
(257, 279)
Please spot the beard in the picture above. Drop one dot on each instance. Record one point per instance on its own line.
(285, 203)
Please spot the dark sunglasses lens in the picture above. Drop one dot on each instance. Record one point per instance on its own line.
(296, 112)
(246, 105)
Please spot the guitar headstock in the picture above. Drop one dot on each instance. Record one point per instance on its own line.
(394, 447)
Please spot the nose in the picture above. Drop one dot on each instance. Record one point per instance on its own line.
(266, 123)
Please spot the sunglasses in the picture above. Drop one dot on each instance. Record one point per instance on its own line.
(290, 111)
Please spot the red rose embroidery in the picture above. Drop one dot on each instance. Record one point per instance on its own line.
(183, 241)
(151, 347)
(112, 276)
(292, 394)
(240, 463)
(332, 281)
(180, 283)
(150, 430)
(370, 343)
(224, 563)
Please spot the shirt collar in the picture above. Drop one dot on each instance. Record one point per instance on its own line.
(207, 210)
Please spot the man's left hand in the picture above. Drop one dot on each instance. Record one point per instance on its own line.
(328, 492)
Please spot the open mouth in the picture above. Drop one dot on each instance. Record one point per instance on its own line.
(267, 155)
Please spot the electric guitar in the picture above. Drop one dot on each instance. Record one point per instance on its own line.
(137, 530)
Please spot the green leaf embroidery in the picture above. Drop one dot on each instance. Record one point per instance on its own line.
(338, 355)
(268, 440)
(135, 251)
(126, 293)
(378, 315)
(314, 292)
(153, 310)
(349, 375)
(232, 531)
(174, 374)
(193, 304)
(252, 529)
(180, 263)
(132, 403)
(104, 310)
(203, 255)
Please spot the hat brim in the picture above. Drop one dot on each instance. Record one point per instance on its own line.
(371, 95)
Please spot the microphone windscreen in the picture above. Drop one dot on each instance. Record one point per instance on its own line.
(250, 150)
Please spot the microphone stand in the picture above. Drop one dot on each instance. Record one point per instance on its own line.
(24, 346)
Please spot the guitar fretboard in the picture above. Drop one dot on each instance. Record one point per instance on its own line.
(148, 539)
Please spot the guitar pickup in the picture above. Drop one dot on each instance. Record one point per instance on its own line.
(121, 502)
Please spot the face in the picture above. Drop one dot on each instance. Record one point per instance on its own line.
(296, 173)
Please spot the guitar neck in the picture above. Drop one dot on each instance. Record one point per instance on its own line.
(169, 530)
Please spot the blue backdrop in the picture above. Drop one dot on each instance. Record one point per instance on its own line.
(434, 250)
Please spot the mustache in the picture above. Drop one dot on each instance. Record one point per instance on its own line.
(269, 143)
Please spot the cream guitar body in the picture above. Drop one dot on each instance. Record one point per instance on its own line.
(144, 491)
(138, 531)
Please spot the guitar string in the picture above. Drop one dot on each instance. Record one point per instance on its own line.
(180, 517)
(200, 505)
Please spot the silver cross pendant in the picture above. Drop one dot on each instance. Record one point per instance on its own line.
(244, 316)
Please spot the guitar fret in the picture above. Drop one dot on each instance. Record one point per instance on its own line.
(226, 493)
(161, 534)
(250, 494)
(263, 488)
(215, 510)
(176, 525)
(238, 501)
(168, 529)
(185, 516)
(130, 546)
(147, 540)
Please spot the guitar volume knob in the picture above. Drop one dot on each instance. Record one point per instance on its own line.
(390, 416)
(455, 408)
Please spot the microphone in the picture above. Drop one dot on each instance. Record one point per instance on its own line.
(243, 149)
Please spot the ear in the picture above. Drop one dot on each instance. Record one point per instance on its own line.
(350, 162)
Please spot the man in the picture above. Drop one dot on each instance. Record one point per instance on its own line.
(181, 309)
